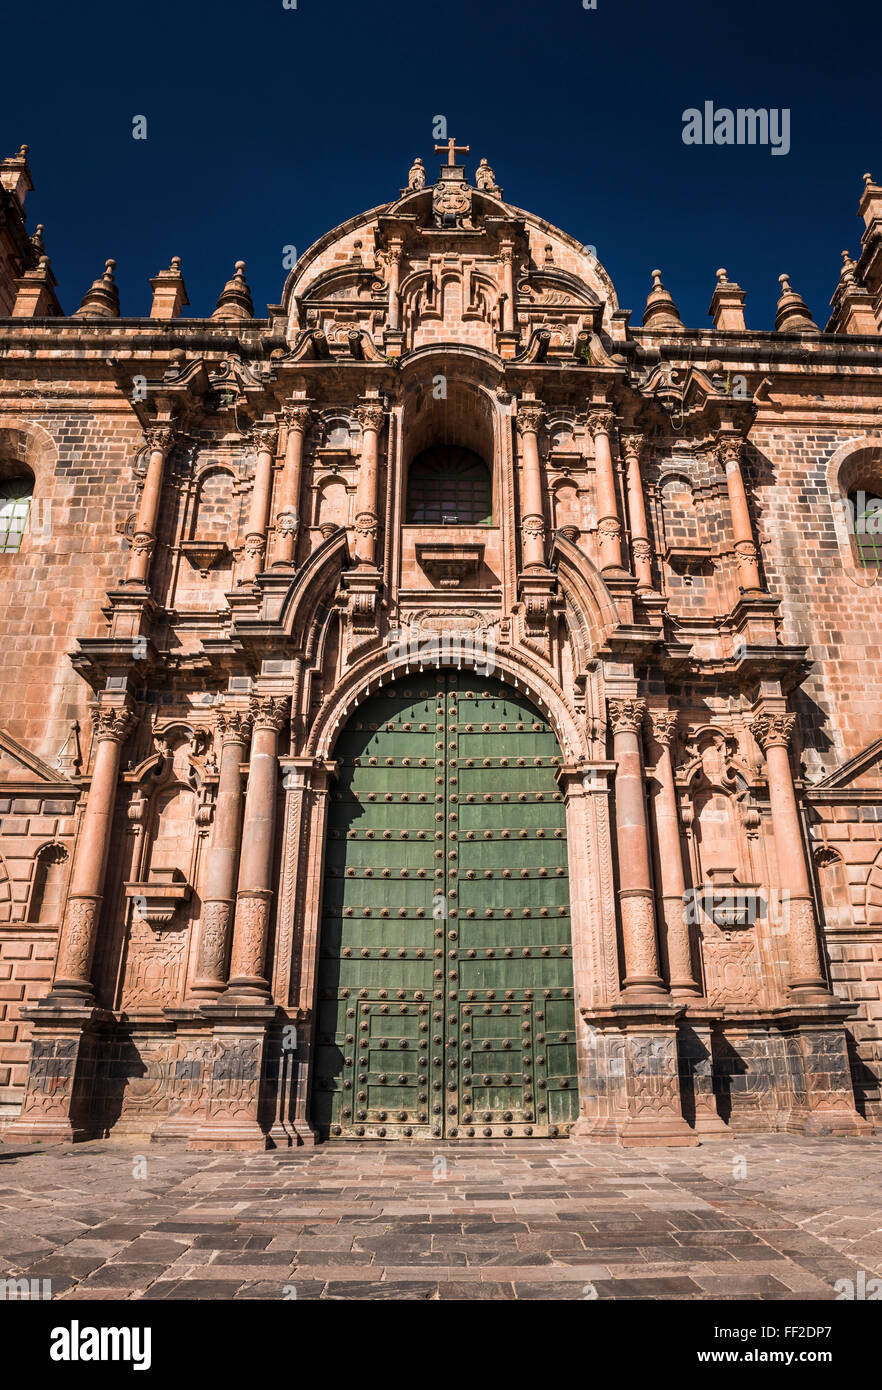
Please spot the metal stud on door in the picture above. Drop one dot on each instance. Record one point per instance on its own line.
(445, 1002)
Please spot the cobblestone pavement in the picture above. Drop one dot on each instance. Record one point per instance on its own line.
(776, 1217)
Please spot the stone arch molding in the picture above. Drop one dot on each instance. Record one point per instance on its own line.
(512, 667)
(837, 487)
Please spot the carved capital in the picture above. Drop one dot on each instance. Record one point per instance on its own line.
(664, 725)
(298, 418)
(529, 419)
(112, 724)
(266, 438)
(626, 716)
(160, 437)
(773, 730)
(600, 421)
(631, 445)
(267, 712)
(730, 450)
(370, 417)
(234, 727)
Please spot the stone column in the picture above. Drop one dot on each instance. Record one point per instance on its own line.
(255, 893)
(366, 516)
(609, 525)
(729, 451)
(160, 441)
(223, 859)
(258, 515)
(80, 926)
(297, 418)
(506, 251)
(772, 732)
(529, 423)
(641, 550)
(681, 980)
(642, 975)
(393, 260)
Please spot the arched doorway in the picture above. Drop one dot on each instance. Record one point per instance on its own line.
(445, 987)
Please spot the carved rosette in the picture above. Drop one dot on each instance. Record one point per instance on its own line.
(370, 417)
(626, 716)
(249, 940)
(773, 730)
(111, 723)
(600, 422)
(268, 712)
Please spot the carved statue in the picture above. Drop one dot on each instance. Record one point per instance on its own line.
(485, 178)
(417, 176)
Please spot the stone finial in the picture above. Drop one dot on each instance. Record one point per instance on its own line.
(727, 305)
(169, 292)
(793, 315)
(102, 300)
(416, 178)
(235, 300)
(35, 293)
(661, 312)
(485, 179)
(870, 206)
(37, 240)
(15, 175)
(852, 304)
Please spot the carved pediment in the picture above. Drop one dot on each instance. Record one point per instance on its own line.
(862, 773)
(19, 764)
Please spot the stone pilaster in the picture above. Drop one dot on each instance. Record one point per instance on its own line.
(266, 439)
(636, 903)
(681, 974)
(297, 419)
(529, 422)
(641, 550)
(730, 449)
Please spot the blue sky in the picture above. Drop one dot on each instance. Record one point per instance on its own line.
(267, 126)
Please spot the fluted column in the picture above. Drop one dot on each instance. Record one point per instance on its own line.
(642, 974)
(641, 550)
(529, 423)
(670, 857)
(609, 525)
(160, 441)
(772, 732)
(223, 858)
(80, 927)
(298, 420)
(366, 516)
(255, 893)
(258, 514)
(729, 451)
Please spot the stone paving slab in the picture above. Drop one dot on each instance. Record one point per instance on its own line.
(777, 1217)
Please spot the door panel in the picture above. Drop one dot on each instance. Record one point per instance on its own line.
(445, 992)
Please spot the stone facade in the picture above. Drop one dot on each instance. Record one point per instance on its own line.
(219, 564)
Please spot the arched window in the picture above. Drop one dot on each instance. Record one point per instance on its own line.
(16, 492)
(449, 485)
(47, 893)
(865, 524)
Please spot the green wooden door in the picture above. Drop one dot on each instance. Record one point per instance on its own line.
(445, 992)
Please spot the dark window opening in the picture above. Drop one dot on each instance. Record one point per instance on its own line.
(865, 516)
(448, 485)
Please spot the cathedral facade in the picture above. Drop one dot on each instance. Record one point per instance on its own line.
(439, 708)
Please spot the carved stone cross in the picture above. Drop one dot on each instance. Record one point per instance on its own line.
(452, 149)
